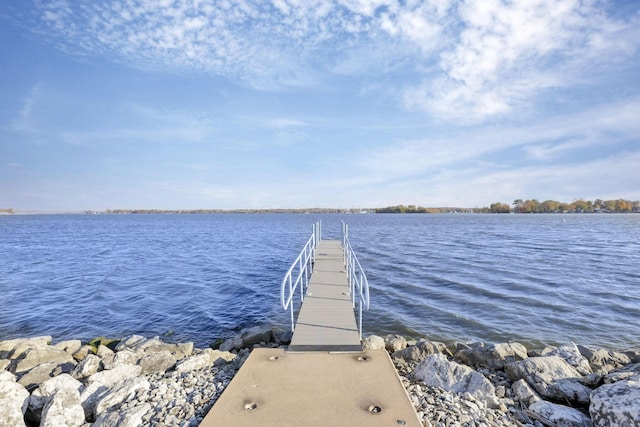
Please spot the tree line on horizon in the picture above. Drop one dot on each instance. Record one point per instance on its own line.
(530, 206)
(518, 206)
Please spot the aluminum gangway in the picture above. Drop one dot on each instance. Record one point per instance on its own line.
(331, 283)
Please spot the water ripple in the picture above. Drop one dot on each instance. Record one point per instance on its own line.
(539, 279)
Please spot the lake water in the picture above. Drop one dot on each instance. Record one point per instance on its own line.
(537, 279)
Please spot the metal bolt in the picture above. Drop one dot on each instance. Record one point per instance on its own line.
(375, 409)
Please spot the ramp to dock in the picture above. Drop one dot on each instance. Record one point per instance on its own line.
(275, 388)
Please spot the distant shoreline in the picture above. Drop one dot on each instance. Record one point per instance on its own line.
(433, 211)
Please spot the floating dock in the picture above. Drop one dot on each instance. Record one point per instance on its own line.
(324, 378)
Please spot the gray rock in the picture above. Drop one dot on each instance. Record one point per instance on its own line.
(89, 397)
(179, 351)
(281, 336)
(437, 371)
(524, 393)
(198, 361)
(571, 354)
(393, 343)
(87, 367)
(559, 415)
(116, 375)
(221, 357)
(14, 400)
(104, 351)
(132, 417)
(63, 409)
(130, 342)
(373, 342)
(552, 377)
(420, 351)
(13, 349)
(633, 354)
(37, 356)
(121, 393)
(157, 362)
(41, 373)
(603, 361)
(47, 389)
(121, 358)
(146, 343)
(248, 338)
(629, 372)
(616, 405)
(70, 346)
(490, 356)
(83, 352)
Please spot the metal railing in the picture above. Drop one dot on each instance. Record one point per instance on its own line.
(358, 284)
(300, 271)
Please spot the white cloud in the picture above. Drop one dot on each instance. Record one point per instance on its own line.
(466, 62)
(510, 52)
(609, 126)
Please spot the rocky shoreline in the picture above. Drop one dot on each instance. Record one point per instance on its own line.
(140, 381)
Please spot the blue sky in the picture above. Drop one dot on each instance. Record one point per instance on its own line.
(191, 104)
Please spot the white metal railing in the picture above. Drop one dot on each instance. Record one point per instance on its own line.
(358, 284)
(300, 271)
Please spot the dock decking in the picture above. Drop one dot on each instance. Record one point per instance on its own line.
(326, 321)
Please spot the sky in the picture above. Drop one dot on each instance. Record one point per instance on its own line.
(203, 104)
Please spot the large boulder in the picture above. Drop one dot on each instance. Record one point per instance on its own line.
(420, 351)
(13, 349)
(14, 400)
(393, 343)
(206, 359)
(629, 372)
(116, 375)
(132, 417)
(573, 357)
(373, 342)
(603, 361)
(437, 371)
(38, 375)
(87, 367)
(179, 351)
(248, 338)
(490, 356)
(560, 415)
(70, 346)
(37, 356)
(157, 362)
(43, 394)
(617, 404)
(121, 358)
(63, 409)
(524, 393)
(121, 393)
(90, 396)
(552, 377)
(130, 342)
(84, 351)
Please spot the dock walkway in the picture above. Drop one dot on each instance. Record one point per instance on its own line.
(324, 378)
(326, 321)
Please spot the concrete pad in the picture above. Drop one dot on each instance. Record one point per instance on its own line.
(278, 388)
